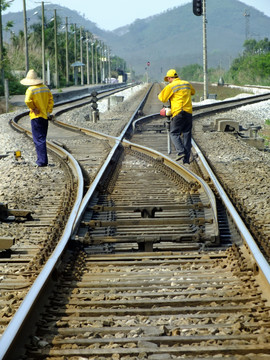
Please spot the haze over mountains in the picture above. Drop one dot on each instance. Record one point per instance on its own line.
(172, 38)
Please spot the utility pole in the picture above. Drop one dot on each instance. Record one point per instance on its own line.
(101, 62)
(67, 64)
(56, 51)
(87, 59)
(199, 8)
(81, 53)
(25, 38)
(96, 46)
(75, 53)
(43, 43)
(109, 65)
(92, 61)
(1, 47)
(75, 43)
(205, 71)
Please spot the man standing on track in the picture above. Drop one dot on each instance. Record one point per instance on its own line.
(39, 100)
(178, 92)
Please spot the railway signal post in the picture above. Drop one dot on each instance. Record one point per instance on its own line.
(199, 8)
(94, 106)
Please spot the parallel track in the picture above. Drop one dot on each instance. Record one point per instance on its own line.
(145, 278)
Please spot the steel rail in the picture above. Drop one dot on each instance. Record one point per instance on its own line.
(187, 174)
(77, 211)
(244, 232)
(216, 106)
(232, 103)
(29, 301)
(101, 94)
(101, 172)
(17, 321)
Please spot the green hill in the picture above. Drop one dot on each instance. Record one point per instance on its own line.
(172, 38)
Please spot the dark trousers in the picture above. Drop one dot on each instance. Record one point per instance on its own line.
(39, 132)
(180, 133)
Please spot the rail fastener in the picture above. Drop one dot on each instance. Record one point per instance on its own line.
(6, 243)
(147, 221)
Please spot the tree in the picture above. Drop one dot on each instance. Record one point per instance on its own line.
(15, 59)
(251, 46)
(4, 4)
(191, 72)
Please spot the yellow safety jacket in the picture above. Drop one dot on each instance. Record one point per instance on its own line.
(39, 97)
(179, 93)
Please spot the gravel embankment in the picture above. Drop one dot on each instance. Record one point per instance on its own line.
(243, 169)
(111, 121)
(23, 185)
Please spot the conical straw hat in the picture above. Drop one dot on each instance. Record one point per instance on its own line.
(31, 78)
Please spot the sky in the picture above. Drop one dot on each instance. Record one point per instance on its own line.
(111, 14)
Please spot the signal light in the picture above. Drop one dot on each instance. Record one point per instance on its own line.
(94, 104)
(197, 7)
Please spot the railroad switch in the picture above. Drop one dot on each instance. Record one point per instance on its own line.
(249, 134)
(158, 128)
(18, 215)
(99, 249)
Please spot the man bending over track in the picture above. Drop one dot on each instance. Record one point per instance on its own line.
(178, 92)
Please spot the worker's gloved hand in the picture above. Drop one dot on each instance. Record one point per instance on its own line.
(50, 117)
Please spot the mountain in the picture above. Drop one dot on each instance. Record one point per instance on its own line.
(172, 38)
(34, 16)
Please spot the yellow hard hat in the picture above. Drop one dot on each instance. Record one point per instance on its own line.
(170, 73)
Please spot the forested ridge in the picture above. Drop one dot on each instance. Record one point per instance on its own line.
(172, 39)
(252, 67)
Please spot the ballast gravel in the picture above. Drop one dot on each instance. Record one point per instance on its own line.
(242, 167)
(112, 117)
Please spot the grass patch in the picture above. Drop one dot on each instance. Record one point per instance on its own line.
(222, 92)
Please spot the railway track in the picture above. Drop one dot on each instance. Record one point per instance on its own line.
(149, 271)
(34, 231)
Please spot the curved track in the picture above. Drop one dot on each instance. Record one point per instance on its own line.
(146, 274)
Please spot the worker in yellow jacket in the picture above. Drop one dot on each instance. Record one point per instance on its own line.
(39, 100)
(178, 92)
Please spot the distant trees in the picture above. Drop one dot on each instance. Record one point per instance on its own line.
(14, 53)
(252, 47)
(193, 72)
(252, 67)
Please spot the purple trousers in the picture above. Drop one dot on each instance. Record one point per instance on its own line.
(180, 133)
(39, 132)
